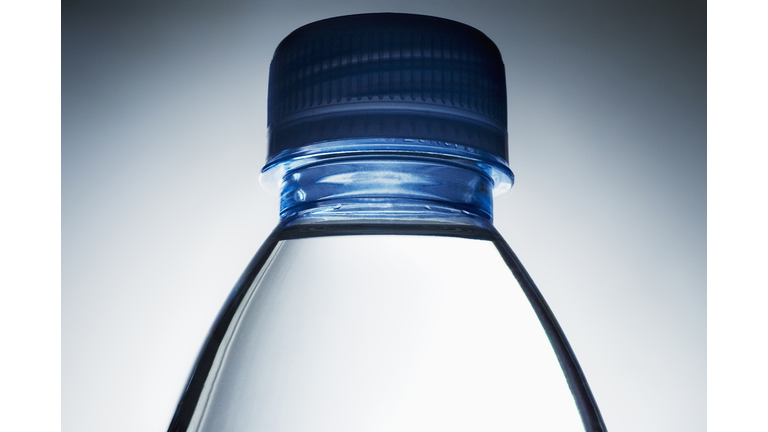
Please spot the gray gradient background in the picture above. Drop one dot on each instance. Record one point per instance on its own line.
(163, 136)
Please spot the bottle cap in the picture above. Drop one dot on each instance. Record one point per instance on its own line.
(387, 75)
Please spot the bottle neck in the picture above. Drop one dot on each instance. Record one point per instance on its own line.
(374, 181)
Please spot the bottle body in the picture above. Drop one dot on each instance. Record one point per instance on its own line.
(375, 326)
(385, 300)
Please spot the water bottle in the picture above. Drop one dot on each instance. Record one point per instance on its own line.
(385, 300)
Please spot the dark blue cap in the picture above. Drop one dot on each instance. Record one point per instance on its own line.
(387, 76)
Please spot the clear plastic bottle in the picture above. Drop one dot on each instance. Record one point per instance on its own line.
(385, 300)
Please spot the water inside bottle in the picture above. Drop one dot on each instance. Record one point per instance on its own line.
(384, 333)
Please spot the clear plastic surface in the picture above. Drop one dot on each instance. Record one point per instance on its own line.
(372, 326)
(385, 333)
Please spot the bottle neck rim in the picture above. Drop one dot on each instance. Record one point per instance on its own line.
(278, 166)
